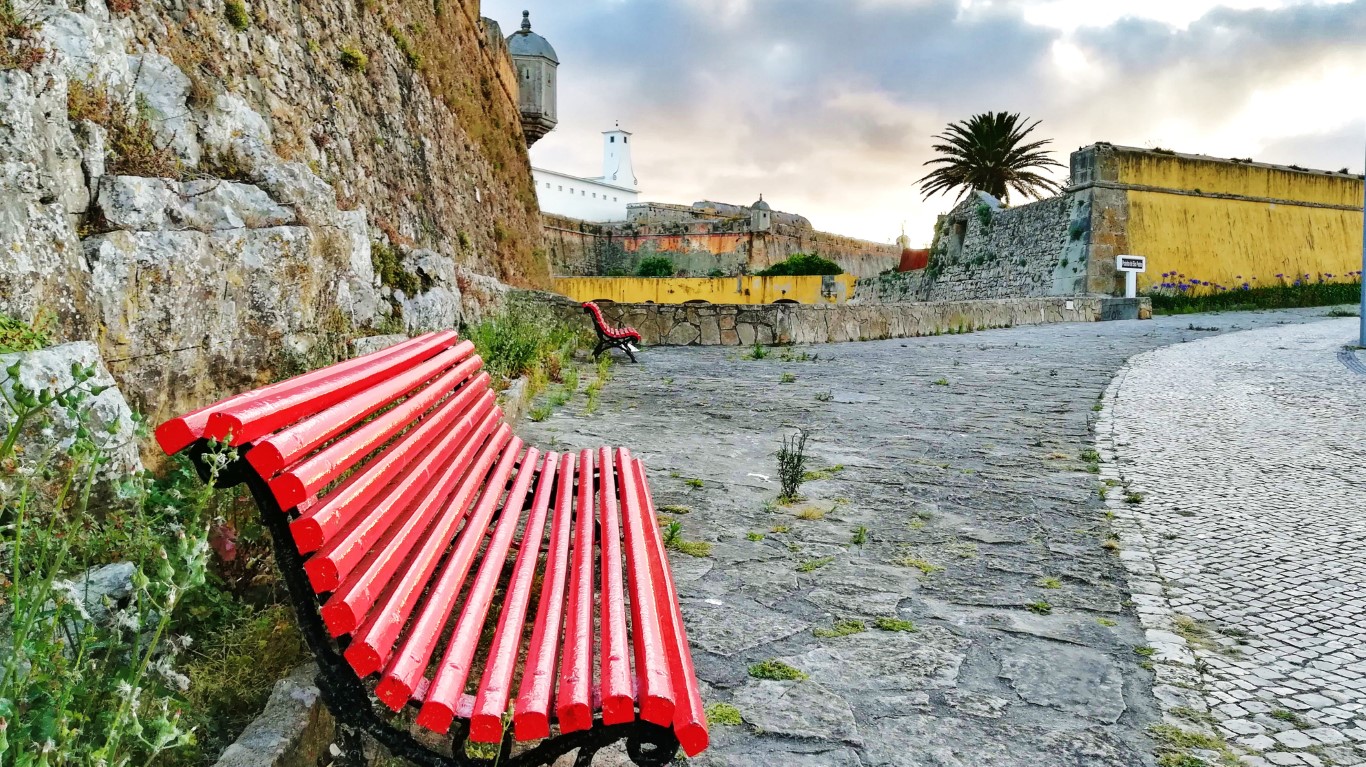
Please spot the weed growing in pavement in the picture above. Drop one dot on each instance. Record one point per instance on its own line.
(1174, 740)
(811, 515)
(694, 483)
(941, 382)
(673, 539)
(675, 509)
(723, 714)
(753, 536)
(1146, 652)
(860, 535)
(922, 565)
(1040, 607)
(894, 624)
(811, 565)
(776, 670)
(842, 628)
(824, 396)
(826, 473)
(1133, 497)
(1339, 312)
(1106, 622)
(787, 378)
(757, 352)
(1049, 582)
(1291, 718)
(778, 529)
(792, 465)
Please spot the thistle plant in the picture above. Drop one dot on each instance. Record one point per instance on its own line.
(84, 683)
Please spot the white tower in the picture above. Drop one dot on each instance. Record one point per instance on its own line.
(616, 158)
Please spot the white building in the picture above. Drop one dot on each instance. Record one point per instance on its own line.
(603, 198)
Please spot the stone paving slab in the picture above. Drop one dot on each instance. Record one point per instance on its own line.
(1245, 455)
(962, 457)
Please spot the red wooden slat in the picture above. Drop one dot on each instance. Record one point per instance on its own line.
(448, 685)
(410, 661)
(618, 704)
(298, 483)
(373, 644)
(321, 522)
(654, 682)
(177, 434)
(248, 421)
(573, 701)
(336, 560)
(690, 721)
(486, 721)
(354, 598)
(282, 448)
(531, 716)
(333, 460)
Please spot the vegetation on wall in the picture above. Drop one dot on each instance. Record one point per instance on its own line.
(655, 266)
(19, 336)
(133, 147)
(18, 47)
(802, 264)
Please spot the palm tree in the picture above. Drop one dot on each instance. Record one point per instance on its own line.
(988, 153)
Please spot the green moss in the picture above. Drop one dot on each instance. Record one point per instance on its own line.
(693, 548)
(842, 628)
(236, 14)
(388, 264)
(352, 59)
(405, 46)
(894, 624)
(723, 714)
(920, 564)
(776, 670)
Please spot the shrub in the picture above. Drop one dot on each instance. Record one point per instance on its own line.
(19, 49)
(133, 148)
(93, 684)
(388, 264)
(1179, 294)
(352, 59)
(236, 14)
(521, 340)
(655, 266)
(802, 264)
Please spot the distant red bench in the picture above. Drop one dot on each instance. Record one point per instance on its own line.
(400, 503)
(610, 337)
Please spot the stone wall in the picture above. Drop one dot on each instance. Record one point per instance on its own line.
(730, 325)
(984, 251)
(216, 206)
(699, 247)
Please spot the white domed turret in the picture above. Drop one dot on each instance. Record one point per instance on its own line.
(535, 63)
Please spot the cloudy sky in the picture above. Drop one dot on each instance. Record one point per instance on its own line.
(828, 107)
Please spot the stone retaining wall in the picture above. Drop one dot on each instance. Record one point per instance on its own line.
(730, 325)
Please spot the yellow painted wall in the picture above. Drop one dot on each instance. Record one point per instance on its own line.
(1231, 241)
(718, 290)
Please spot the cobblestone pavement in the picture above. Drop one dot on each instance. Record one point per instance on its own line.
(965, 459)
(1244, 457)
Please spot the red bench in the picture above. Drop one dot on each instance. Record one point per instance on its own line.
(401, 506)
(610, 337)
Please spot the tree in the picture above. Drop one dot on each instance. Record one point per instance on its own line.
(655, 266)
(988, 153)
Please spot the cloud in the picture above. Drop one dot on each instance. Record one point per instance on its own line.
(829, 106)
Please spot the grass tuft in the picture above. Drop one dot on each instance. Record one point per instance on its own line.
(842, 628)
(776, 670)
(723, 714)
(894, 624)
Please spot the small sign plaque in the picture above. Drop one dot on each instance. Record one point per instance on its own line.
(1131, 263)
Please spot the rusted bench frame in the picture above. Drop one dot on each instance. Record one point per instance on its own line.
(649, 740)
(348, 700)
(606, 340)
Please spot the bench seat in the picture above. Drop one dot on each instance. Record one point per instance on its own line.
(610, 337)
(447, 567)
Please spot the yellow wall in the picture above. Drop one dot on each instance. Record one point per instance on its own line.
(718, 290)
(1232, 241)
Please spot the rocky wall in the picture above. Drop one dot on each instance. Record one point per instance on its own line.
(699, 248)
(985, 251)
(218, 200)
(731, 325)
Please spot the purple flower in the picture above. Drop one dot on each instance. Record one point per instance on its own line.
(1329, 275)
(1280, 276)
(1246, 286)
(1183, 287)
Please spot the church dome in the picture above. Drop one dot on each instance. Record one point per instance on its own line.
(524, 42)
(760, 205)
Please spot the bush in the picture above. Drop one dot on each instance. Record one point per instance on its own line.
(133, 148)
(792, 465)
(388, 264)
(522, 340)
(91, 683)
(802, 264)
(655, 266)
